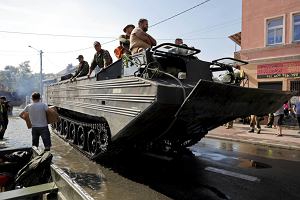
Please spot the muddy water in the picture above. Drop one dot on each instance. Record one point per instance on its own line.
(98, 181)
(16, 135)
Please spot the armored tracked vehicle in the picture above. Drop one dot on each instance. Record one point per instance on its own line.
(163, 99)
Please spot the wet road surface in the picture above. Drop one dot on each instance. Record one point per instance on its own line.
(214, 170)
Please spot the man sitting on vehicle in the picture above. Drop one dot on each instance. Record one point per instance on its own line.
(101, 59)
(124, 42)
(82, 70)
(139, 39)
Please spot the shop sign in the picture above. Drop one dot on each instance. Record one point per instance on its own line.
(279, 70)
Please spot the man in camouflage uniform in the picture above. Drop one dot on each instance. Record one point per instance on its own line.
(101, 59)
(124, 42)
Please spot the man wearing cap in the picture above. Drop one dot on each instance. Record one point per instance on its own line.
(139, 39)
(124, 41)
(101, 59)
(4, 109)
(83, 68)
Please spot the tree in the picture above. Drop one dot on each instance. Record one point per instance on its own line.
(8, 78)
(26, 81)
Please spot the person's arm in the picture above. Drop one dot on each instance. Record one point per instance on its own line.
(92, 67)
(152, 40)
(143, 36)
(106, 58)
(78, 70)
(122, 39)
(46, 107)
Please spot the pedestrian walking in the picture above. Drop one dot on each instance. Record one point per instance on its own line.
(270, 120)
(38, 118)
(255, 121)
(297, 112)
(278, 119)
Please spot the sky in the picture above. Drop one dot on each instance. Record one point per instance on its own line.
(65, 29)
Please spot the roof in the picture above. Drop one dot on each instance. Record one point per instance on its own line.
(237, 37)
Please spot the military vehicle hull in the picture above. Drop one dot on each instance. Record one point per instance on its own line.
(103, 115)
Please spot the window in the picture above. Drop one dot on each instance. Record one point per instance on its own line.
(295, 86)
(296, 27)
(275, 31)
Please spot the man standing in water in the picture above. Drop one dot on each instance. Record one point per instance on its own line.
(37, 115)
(4, 109)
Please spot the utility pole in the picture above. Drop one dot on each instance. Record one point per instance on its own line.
(41, 69)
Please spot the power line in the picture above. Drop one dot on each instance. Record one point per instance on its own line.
(197, 38)
(82, 49)
(149, 26)
(180, 13)
(55, 35)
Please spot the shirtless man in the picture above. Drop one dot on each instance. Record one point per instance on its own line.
(139, 39)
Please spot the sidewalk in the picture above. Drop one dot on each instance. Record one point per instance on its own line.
(267, 137)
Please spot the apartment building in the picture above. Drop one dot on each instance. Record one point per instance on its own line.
(270, 42)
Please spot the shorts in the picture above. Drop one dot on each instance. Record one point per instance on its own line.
(278, 120)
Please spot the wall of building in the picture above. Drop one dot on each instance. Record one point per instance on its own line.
(254, 15)
(269, 63)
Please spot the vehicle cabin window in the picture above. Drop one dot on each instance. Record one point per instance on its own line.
(275, 31)
(296, 27)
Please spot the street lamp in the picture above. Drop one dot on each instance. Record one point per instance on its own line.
(41, 69)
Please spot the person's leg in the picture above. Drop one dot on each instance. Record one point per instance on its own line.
(45, 134)
(2, 129)
(258, 125)
(252, 124)
(279, 125)
(298, 119)
(279, 130)
(35, 136)
(271, 119)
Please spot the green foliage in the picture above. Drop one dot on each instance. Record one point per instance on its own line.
(20, 79)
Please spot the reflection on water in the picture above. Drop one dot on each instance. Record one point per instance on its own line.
(244, 163)
(90, 180)
(262, 151)
(233, 161)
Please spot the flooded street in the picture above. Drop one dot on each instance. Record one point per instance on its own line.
(213, 169)
(100, 182)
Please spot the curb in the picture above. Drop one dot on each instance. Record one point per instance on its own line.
(268, 144)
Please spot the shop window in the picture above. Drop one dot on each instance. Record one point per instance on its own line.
(270, 85)
(275, 31)
(296, 27)
(295, 86)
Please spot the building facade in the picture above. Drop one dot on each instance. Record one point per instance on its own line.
(270, 42)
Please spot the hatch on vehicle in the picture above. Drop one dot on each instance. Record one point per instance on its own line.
(173, 49)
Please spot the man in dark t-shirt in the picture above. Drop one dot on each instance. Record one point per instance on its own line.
(82, 70)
